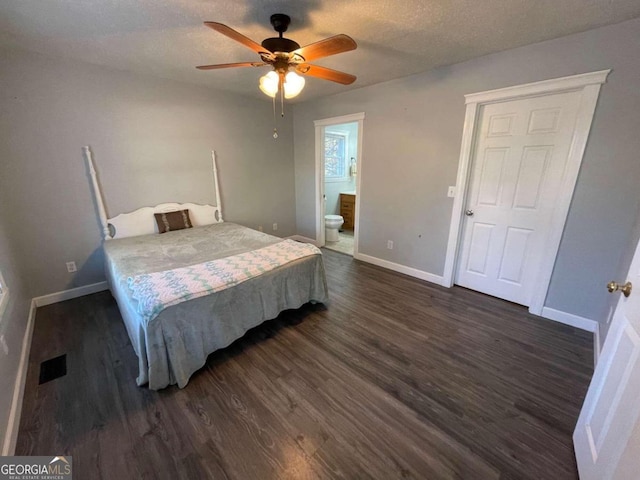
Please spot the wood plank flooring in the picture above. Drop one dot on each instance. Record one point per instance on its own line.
(396, 378)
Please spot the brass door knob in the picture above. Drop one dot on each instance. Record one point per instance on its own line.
(615, 286)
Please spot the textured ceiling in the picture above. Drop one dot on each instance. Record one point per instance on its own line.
(166, 38)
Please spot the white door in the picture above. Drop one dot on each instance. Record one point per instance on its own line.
(518, 164)
(607, 436)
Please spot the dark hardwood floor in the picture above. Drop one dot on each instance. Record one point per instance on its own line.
(397, 378)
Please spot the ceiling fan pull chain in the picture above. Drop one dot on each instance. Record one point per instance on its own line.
(282, 94)
(275, 130)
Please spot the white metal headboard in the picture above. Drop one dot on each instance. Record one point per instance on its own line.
(141, 221)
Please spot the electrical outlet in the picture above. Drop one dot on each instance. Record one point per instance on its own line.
(275, 227)
(259, 228)
(71, 267)
(5, 347)
(390, 244)
(451, 192)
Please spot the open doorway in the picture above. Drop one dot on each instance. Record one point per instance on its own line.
(338, 159)
(340, 172)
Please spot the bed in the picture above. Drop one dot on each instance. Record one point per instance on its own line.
(184, 294)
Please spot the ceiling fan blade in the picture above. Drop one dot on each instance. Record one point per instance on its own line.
(326, 73)
(328, 46)
(231, 65)
(238, 37)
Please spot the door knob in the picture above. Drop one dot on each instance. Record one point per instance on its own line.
(468, 213)
(625, 289)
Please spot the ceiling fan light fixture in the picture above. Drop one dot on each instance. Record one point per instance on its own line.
(293, 84)
(269, 84)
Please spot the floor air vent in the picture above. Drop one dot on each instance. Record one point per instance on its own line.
(53, 368)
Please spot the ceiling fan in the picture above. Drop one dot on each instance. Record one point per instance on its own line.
(287, 57)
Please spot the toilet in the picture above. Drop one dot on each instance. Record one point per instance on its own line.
(332, 224)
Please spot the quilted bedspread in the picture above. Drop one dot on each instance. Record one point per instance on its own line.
(184, 294)
(159, 290)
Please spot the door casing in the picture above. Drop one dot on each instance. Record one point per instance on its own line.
(589, 84)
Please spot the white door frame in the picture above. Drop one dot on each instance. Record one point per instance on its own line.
(320, 204)
(589, 84)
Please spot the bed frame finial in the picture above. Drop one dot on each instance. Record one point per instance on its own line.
(102, 212)
(215, 181)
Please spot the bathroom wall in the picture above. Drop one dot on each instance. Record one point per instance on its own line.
(333, 189)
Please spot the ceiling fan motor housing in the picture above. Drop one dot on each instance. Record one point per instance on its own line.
(280, 23)
(280, 44)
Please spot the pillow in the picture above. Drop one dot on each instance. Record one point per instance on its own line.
(170, 221)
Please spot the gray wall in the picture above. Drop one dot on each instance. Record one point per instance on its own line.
(412, 133)
(151, 140)
(14, 320)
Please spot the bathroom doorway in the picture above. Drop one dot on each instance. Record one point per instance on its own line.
(338, 169)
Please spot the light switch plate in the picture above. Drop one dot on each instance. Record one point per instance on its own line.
(451, 192)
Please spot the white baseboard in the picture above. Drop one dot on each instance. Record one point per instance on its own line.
(578, 322)
(11, 436)
(69, 294)
(396, 267)
(570, 319)
(300, 238)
